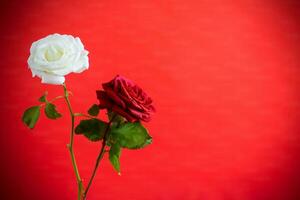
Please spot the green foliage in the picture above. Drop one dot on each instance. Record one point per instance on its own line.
(130, 135)
(31, 116)
(51, 112)
(114, 155)
(94, 110)
(43, 99)
(93, 129)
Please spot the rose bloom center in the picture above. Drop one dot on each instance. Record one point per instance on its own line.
(53, 53)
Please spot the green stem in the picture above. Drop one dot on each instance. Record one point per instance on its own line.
(58, 97)
(52, 100)
(83, 115)
(70, 145)
(99, 158)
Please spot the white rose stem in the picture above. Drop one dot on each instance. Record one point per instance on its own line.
(70, 145)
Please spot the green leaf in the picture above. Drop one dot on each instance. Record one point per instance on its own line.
(43, 98)
(114, 155)
(130, 135)
(31, 115)
(94, 110)
(93, 129)
(50, 111)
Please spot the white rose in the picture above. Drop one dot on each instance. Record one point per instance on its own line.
(53, 57)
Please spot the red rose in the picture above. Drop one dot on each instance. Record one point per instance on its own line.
(126, 99)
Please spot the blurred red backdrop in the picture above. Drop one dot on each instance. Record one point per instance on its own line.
(224, 76)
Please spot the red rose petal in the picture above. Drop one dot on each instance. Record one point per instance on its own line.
(105, 102)
(140, 115)
(113, 95)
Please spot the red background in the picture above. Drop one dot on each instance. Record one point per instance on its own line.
(224, 76)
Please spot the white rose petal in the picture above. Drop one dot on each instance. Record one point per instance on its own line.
(54, 56)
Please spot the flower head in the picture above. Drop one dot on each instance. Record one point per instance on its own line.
(125, 98)
(54, 56)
